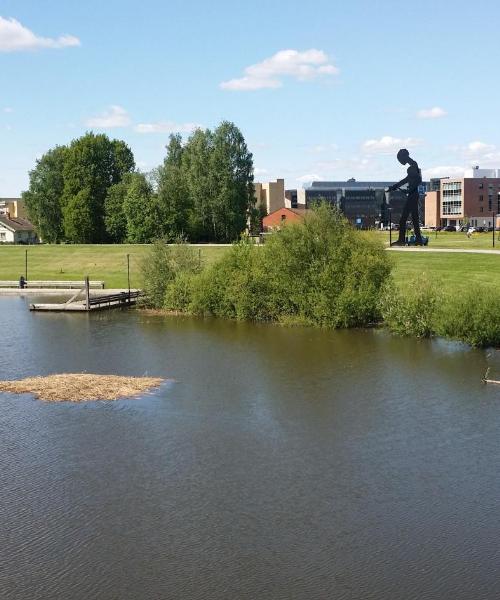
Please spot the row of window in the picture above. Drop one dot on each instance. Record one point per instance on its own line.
(452, 207)
(454, 185)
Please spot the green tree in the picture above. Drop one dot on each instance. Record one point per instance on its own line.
(93, 163)
(196, 167)
(43, 198)
(141, 210)
(79, 222)
(115, 219)
(231, 168)
(173, 194)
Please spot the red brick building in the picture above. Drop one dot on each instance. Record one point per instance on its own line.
(280, 217)
(472, 199)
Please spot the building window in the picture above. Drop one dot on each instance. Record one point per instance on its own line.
(480, 209)
(480, 186)
(2, 235)
(283, 217)
(481, 198)
(452, 198)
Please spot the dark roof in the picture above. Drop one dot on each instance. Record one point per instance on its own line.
(325, 185)
(15, 224)
(350, 184)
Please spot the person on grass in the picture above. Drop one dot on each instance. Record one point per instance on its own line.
(413, 179)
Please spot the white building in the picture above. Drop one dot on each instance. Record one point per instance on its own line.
(16, 231)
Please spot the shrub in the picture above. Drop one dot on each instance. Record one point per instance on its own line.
(179, 293)
(319, 271)
(234, 286)
(157, 273)
(472, 317)
(163, 265)
(412, 310)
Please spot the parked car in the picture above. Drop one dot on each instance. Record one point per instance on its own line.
(481, 229)
(449, 228)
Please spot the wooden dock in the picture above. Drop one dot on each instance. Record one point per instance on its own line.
(122, 299)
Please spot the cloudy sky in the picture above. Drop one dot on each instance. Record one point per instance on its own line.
(320, 89)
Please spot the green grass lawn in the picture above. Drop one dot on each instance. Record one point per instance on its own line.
(450, 239)
(72, 262)
(451, 271)
(109, 263)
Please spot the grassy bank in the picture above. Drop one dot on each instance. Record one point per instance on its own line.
(452, 271)
(72, 262)
(450, 239)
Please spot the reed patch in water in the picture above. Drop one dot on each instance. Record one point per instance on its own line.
(80, 387)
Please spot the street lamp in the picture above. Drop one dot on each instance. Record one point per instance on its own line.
(494, 226)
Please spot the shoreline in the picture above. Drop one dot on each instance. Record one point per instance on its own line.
(59, 291)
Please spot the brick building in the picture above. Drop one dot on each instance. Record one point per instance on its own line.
(472, 199)
(280, 217)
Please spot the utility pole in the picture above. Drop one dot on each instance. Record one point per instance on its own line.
(128, 275)
(26, 265)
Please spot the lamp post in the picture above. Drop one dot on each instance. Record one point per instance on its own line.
(390, 225)
(26, 265)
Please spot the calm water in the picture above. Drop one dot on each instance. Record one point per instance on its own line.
(277, 464)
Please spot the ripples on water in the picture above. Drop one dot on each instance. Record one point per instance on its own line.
(280, 463)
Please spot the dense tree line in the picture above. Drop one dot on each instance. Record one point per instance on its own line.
(90, 191)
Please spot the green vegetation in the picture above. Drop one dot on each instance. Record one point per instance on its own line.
(452, 273)
(73, 261)
(449, 239)
(320, 272)
(455, 295)
(471, 316)
(410, 309)
(89, 191)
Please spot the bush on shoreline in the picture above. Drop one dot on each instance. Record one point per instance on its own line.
(319, 272)
(411, 311)
(423, 310)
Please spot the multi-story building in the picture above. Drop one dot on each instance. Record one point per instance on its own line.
(291, 200)
(13, 207)
(473, 199)
(364, 203)
(271, 195)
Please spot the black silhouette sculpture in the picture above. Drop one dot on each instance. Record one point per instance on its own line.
(413, 179)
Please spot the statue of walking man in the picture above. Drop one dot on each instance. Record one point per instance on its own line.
(413, 179)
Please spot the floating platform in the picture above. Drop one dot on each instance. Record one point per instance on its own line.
(112, 299)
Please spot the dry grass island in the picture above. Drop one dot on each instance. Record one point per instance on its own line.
(81, 387)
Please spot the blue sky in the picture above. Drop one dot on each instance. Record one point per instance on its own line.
(323, 90)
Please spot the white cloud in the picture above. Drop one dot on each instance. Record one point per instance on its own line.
(269, 73)
(166, 127)
(257, 171)
(309, 177)
(388, 144)
(14, 37)
(477, 147)
(431, 113)
(443, 171)
(8, 109)
(479, 153)
(115, 116)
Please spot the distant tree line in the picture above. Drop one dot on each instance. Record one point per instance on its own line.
(91, 192)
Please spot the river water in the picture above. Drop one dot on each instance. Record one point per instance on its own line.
(276, 463)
